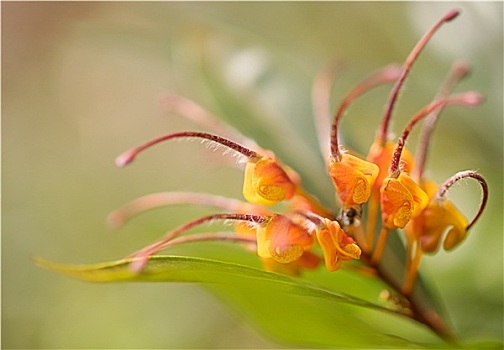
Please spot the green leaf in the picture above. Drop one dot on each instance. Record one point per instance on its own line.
(291, 310)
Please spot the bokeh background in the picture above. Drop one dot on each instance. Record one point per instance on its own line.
(81, 83)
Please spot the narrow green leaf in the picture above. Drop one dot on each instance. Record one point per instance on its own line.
(194, 270)
(291, 310)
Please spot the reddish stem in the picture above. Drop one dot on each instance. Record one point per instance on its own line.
(178, 231)
(144, 253)
(128, 156)
(321, 102)
(458, 71)
(314, 218)
(189, 109)
(462, 175)
(213, 236)
(140, 260)
(385, 75)
(466, 99)
(119, 216)
(382, 136)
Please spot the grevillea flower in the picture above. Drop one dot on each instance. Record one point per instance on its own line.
(266, 182)
(382, 150)
(352, 176)
(288, 227)
(381, 155)
(439, 216)
(336, 245)
(401, 200)
(282, 240)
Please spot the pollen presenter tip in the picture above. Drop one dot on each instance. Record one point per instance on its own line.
(124, 159)
(473, 98)
(452, 15)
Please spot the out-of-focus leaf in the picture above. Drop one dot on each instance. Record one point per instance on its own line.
(291, 310)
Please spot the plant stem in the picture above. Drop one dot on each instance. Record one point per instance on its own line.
(427, 316)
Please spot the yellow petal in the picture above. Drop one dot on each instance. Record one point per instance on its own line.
(336, 245)
(286, 253)
(353, 178)
(436, 219)
(331, 258)
(401, 200)
(381, 155)
(282, 240)
(249, 191)
(396, 204)
(265, 182)
(420, 198)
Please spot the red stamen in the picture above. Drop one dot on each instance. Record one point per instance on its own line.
(140, 262)
(120, 216)
(191, 110)
(128, 156)
(214, 236)
(321, 102)
(160, 245)
(466, 99)
(382, 136)
(385, 75)
(462, 175)
(458, 71)
(314, 218)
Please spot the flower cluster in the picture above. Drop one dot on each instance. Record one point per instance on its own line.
(379, 193)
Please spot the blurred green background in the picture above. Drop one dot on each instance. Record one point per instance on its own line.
(81, 82)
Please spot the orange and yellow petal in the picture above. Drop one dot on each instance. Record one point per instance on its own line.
(401, 200)
(353, 178)
(438, 217)
(381, 155)
(266, 182)
(336, 245)
(282, 240)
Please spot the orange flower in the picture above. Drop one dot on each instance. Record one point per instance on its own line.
(381, 155)
(441, 216)
(435, 219)
(282, 240)
(401, 200)
(353, 178)
(336, 245)
(266, 182)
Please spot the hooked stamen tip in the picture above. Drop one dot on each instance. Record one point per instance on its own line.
(124, 159)
(392, 71)
(137, 265)
(461, 68)
(452, 15)
(115, 220)
(473, 98)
